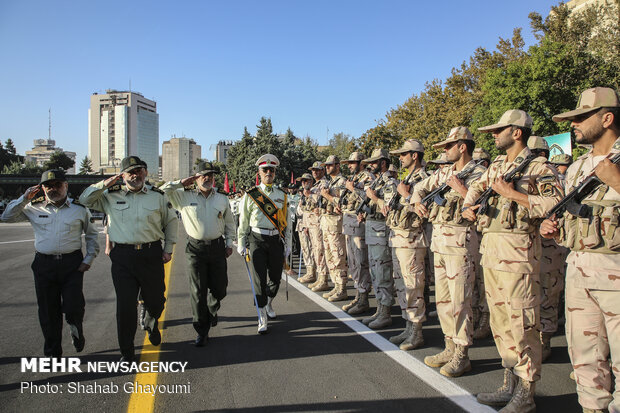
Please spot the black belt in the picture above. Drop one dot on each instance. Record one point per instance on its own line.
(206, 241)
(58, 256)
(138, 246)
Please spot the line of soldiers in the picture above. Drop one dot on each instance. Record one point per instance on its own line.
(485, 247)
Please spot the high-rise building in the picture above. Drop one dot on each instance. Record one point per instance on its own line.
(178, 158)
(220, 151)
(121, 124)
(43, 150)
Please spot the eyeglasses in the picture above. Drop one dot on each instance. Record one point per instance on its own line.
(268, 169)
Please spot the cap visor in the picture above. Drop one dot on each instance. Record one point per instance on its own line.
(572, 114)
(442, 144)
(399, 151)
(492, 127)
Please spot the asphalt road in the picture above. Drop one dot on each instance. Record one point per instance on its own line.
(310, 361)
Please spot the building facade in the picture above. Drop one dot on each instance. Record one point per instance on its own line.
(179, 156)
(121, 124)
(43, 150)
(221, 151)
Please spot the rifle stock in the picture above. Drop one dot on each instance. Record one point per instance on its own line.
(366, 200)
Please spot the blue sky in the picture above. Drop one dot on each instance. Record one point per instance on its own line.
(214, 67)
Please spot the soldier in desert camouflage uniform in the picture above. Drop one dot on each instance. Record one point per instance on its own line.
(354, 231)
(379, 257)
(303, 212)
(511, 254)
(314, 228)
(331, 226)
(593, 273)
(454, 244)
(409, 244)
(561, 163)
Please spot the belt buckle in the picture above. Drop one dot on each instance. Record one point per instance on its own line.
(57, 257)
(138, 246)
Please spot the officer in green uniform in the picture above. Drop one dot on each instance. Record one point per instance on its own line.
(140, 216)
(59, 265)
(210, 229)
(262, 230)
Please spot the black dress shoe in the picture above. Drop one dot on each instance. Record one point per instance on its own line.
(154, 335)
(128, 359)
(77, 337)
(214, 321)
(200, 341)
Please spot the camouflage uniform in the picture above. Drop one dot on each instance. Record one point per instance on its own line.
(303, 213)
(312, 220)
(511, 252)
(552, 268)
(593, 276)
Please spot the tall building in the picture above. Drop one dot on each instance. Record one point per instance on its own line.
(178, 158)
(43, 150)
(121, 124)
(221, 150)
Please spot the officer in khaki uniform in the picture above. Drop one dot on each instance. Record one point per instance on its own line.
(265, 236)
(377, 238)
(58, 265)
(140, 216)
(454, 245)
(210, 229)
(552, 269)
(305, 241)
(314, 228)
(331, 227)
(511, 254)
(354, 232)
(408, 244)
(593, 273)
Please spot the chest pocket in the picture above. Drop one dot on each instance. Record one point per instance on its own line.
(152, 210)
(121, 211)
(43, 223)
(74, 226)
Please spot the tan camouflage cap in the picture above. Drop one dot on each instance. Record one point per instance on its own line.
(267, 160)
(410, 145)
(354, 157)
(561, 159)
(317, 165)
(480, 153)
(512, 117)
(591, 100)
(376, 155)
(305, 177)
(332, 160)
(440, 160)
(536, 142)
(460, 133)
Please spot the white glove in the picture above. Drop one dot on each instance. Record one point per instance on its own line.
(242, 250)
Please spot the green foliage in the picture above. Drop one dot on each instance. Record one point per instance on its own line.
(17, 168)
(59, 160)
(10, 147)
(86, 166)
(8, 156)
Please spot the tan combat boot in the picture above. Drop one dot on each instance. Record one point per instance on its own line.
(484, 329)
(320, 284)
(402, 336)
(415, 339)
(545, 339)
(501, 396)
(439, 359)
(330, 292)
(340, 294)
(459, 364)
(384, 319)
(373, 317)
(361, 306)
(352, 304)
(310, 276)
(523, 398)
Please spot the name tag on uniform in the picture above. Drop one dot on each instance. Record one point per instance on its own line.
(44, 216)
(193, 204)
(120, 202)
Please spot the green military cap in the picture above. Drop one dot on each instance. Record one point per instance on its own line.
(332, 160)
(561, 159)
(460, 133)
(53, 175)
(203, 168)
(132, 162)
(591, 100)
(480, 153)
(537, 142)
(354, 157)
(305, 177)
(411, 145)
(512, 117)
(317, 165)
(377, 154)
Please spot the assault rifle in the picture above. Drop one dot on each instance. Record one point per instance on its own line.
(511, 176)
(321, 197)
(572, 201)
(437, 195)
(342, 201)
(395, 201)
(366, 200)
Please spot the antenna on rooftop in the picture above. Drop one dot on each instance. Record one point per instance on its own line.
(49, 129)
(130, 84)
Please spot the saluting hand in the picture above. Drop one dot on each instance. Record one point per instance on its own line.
(165, 257)
(31, 192)
(112, 180)
(189, 180)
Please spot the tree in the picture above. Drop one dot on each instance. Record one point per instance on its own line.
(86, 166)
(8, 157)
(59, 160)
(17, 168)
(340, 144)
(10, 147)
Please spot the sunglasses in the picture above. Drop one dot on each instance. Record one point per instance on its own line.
(268, 169)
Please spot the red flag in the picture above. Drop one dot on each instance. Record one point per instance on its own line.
(292, 178)
(226, 186)
(234, 187)
(257, 179)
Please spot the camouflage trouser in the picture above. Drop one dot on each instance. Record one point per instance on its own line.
(429, 272)
(306, 250)
(357, 260)
(316, 241)
(380, 264)
(408, 264)
(454, 284)
(552, 287)
(514, 304)
(335, 249)
(479, 296)
(592, 332)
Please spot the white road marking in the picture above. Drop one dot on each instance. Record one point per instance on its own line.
(13, 242)
(456, 394)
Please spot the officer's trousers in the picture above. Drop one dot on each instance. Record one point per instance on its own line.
(208, 280)
(267, 252)
(136, 271)
(58, 286)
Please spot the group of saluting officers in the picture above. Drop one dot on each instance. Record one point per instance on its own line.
(486, 228)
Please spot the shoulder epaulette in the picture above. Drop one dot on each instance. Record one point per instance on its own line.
(189, 187)
(617, 145)
(38, 200)
(159, 191)
(76, 202)
(114, 188)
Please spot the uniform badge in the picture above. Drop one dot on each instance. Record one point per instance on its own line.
(519, 159)
(547, 189)
(269, 209)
